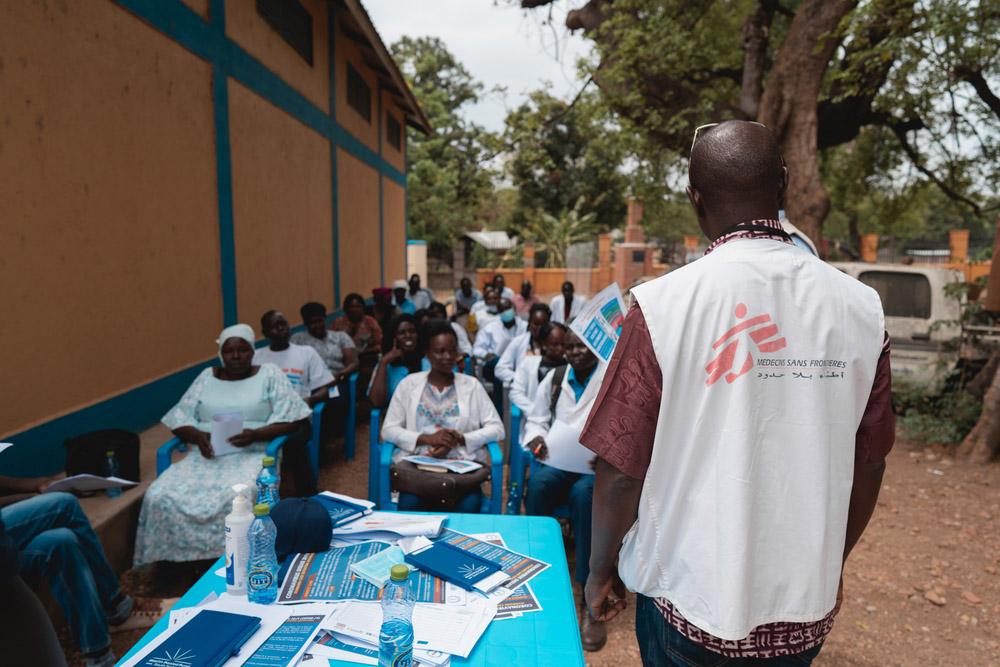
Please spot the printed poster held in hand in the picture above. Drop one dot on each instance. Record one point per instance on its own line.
(599, 324)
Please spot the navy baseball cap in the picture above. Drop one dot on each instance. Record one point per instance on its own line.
(303, 525)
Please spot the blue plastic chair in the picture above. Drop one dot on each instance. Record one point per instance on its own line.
(351, 427)
(520, 460)
(165, 452)
(491, 505)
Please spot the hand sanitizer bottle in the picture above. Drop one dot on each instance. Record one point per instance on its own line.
(237, 541)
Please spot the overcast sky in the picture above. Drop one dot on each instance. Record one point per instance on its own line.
(499, 44)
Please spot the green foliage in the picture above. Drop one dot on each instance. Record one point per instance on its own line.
(935, 416)
(555, 234)
(564, 157)
(449, 181)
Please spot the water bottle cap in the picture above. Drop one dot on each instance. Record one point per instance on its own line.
(110, 452)
(399, 572)
(261, 509)
(268, 461)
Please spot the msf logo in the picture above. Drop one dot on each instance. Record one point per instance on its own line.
(764, 335)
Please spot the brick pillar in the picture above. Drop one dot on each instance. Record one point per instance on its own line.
(528, 263)
(869, 248)
(633, 223)
(958, 243)
(603, 277)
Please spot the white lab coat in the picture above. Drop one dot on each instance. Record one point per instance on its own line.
(478, 420)
(558, 305)
(495, 337)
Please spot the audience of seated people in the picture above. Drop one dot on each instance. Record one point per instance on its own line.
(441, 414)
(421, 297)
(466, 296)
(363, 329)
(311, 380)
(493, 339)
(524, 300)
(566, 305)
(184, 508)
(500, 285)
(400, 297)
(483, 312)
(533, 368)
(337, 351)
(564, 398)
(401, 357)
(528, 343)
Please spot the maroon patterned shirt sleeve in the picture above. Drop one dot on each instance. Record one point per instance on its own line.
(622, 424)
(877, 431)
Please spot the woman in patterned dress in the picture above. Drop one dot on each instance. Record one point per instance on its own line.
(184, 510)
(442, 414)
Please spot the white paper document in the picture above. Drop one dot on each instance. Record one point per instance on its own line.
(459, 466)
(87, 482)
(4, 446)
(565, 451)
(599, 323)
(447, 628)
(224, 426)
(379, 524)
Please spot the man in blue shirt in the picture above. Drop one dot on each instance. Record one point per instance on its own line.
(562, 404)
(400, 289)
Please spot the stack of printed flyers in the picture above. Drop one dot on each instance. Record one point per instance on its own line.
(328, 608)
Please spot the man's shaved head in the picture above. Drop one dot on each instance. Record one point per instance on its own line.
(736, 174)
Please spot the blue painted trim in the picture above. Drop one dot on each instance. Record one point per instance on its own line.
(224, 178)
(381, 196)
(183, 25)
(331, 31)
(416, 242)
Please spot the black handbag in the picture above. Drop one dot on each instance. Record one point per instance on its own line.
(440, 488)
(87, 453)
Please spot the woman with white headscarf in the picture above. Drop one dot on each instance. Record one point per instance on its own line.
(183, 511)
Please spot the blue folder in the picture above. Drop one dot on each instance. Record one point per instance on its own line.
(463, 568)
(209, 639)
(342, 511)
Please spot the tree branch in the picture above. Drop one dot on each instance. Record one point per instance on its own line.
(915, 159)
(976, 79)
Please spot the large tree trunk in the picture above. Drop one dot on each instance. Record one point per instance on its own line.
(983, 442)
(788, 106)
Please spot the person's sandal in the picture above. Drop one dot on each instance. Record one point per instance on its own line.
(141, 619)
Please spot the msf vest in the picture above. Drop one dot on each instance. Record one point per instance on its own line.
(768, 357)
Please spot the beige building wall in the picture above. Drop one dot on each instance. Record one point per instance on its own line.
(359, 229)
(110, 267)
(283, 227)
(248, 29)
(394, 221)
(353, 122)
(395, 157)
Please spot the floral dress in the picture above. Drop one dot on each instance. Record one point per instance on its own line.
(184, 510)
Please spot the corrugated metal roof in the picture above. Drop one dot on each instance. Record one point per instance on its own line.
(493, 240)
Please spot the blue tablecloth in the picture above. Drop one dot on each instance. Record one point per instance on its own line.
(547, 637)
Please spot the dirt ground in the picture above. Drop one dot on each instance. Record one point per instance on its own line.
(922, 587)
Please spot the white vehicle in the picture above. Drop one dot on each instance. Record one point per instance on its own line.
(913, 298)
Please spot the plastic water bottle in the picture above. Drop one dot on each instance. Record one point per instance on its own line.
(237, 541)
(267, 482)
(111, 470)
(262, 569)
(395, 639)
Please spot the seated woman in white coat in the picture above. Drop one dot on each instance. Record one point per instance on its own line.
(534, 368)
(442, 414)
(183, 511)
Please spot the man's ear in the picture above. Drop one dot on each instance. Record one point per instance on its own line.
(696, 201)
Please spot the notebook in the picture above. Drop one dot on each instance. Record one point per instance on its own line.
(209, 639)
(458, 566)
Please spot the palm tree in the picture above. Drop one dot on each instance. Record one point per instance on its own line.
(555, 234)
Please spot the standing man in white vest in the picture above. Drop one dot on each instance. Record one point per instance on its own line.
(741, 430)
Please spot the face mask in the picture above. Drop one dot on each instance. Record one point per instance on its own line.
(508, 316)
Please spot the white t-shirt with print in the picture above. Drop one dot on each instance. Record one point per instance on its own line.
(301, 364)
